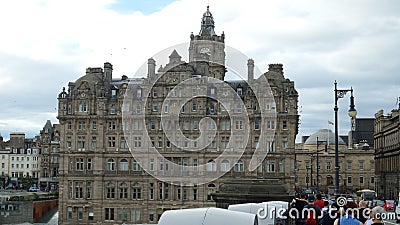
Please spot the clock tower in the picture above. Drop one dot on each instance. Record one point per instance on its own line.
(208, 48)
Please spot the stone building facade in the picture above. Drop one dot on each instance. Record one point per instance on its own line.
(387, 153)
(357, 165)
(49, 151)
(101, 182)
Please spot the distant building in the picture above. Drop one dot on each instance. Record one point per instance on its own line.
(21, 158)
(387, 153)
(100, 181)
(49, 151)
(355, 164)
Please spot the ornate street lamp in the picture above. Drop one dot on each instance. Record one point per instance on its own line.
(352, 113)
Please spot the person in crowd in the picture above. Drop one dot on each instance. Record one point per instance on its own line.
(325, 209)
(330, 217)
(319, 202)
(363, 212)
(299, 204)
(312, 212)
(377, 215)
(347, 216)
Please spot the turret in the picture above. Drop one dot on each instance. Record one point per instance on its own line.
(250, 70)
(151, 67)
(108, 68)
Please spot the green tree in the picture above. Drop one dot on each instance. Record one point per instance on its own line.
(27, 181)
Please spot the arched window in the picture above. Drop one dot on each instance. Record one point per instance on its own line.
(225, 165)
(123, 165)
(110, 191)
(211, 166)
(110, 165)
(211, 188)
(239, 166)
(123, 191)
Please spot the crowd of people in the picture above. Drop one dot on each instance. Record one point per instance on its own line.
(314, 210)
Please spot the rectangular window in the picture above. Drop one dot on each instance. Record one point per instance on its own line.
(88, 190)
(151, 191)
(79, 164)
(194, 106)
(81, 143)
(328, 165)
(111, 142)
(256, 124)
(69, 125)
(372, 180)
(69, 213)
(109, 214)
(91, 214)
(284, 142)
(239, 124)
(195, 192)
(137, 142)
(112, 125)
(80, 213)
(151, 215)
(349, 165)
(270, 165)
(349, 180)
(122, 214)
(94, 143)
(123, 143)
(284, 125)
(135, 215)
(78, 190)
(136, 193)
(154, 107)
(225, 125)
(82, 125)
(94, 125)
(361, 165)
(69, 142)
(361, 180)
(89, 164)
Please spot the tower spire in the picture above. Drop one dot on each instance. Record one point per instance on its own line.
(207, 23)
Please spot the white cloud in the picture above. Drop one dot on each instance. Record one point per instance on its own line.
(354, 42)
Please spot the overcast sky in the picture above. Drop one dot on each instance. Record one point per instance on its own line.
(45, 44)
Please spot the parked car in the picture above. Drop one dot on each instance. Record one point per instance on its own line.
(33, 189)
(388, 205)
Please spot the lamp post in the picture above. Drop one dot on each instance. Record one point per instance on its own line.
(352, 113)
(326, 150)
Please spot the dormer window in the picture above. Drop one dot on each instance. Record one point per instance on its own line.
(82, 107)
(212, 111)
(239, 91)
(113, 93)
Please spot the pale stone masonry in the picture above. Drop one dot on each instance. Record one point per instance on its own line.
(100, 181)
(387, 153)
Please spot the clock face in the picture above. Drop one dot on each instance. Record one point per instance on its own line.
(205, 50)
(83, 95)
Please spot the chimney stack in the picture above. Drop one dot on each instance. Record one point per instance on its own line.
(151, 67)
(250, 70)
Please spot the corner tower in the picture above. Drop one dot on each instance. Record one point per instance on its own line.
(207, 46)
